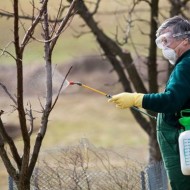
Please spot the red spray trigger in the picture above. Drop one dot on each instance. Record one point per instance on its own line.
(78, 83)
(71, 83)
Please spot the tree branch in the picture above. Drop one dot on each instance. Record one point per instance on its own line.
(63, 24)
(11, 144)
(20, 99)
(65, 78)
(10, 169)
(4, 51)
(8, 93)
(30, 31)
(31, 119)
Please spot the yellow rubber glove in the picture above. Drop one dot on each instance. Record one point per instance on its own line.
(127, 100)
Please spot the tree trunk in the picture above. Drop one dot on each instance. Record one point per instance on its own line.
(23, 184)
(154, 150)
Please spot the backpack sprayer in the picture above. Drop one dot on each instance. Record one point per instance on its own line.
(108, 96)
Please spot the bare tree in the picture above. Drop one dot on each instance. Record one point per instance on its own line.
(179, 7)
(20, 166)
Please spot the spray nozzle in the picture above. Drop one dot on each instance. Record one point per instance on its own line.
(78, 83)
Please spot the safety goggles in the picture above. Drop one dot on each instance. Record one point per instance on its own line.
(164, 40)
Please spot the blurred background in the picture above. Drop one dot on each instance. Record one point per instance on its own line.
(79, 113)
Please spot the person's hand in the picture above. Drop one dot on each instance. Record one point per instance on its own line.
(127, 100)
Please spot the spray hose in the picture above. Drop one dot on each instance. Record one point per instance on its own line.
(109, 96)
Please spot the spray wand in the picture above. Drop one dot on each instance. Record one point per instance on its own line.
(109, 96)
(90, 88)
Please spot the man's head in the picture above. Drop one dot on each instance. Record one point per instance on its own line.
(173, 37)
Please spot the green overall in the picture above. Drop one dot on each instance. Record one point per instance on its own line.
(168, 141)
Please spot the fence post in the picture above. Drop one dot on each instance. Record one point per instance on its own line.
(157, 178)
(143, 181)
(35, 175)
(10, 183)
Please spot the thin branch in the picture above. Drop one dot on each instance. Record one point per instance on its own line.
(65, 78)
(4, 51)
(11, 15)
(53, 38)
(31, 119)
(96, 7)
(148, 2)
(6, 14)
(8, 93)
(63, 23)
(33, 26)
(55, 23)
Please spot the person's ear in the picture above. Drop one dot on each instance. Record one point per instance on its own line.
(186, 41)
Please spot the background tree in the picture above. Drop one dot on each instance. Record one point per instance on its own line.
(21, 165)
(179, 7)
(122, 61)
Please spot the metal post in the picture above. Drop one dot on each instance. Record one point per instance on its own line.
(35, 175)
(157, 178)
(10, 183)
(143, 182)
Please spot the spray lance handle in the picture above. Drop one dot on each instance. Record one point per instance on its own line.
(90, 88)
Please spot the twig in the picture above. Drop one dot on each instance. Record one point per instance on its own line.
(31, 119)
(4, 51)
(8, 93)
(61, 87)
(63, 24)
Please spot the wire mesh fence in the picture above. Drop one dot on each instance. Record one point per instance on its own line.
(85, 167)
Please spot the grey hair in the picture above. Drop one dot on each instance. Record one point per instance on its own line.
(180, 27)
